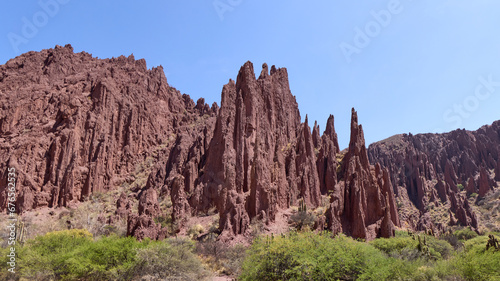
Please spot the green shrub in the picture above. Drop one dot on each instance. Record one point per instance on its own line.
(44, 257)
(173, 258)
(4, 267)
(195, 230)
(233, 259)
(395, 244)
(308, 256)
(442, 247)
(465, 234)
(74, 255)
(109, 258)
(402, 233)
(475, 263)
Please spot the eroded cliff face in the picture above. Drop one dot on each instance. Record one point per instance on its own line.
(428, 169)
(261, 158)
(73, 125)
(362, 203)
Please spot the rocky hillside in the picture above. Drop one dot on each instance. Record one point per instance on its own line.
(75, 126)
(431, 171)
(262, 159)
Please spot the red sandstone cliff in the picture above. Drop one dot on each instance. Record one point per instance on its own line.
(429, 167)
(73, 125)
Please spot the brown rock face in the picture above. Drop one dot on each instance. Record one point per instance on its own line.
(306, 167)
(485, 184)
(123, 206)
(327, 161)
(251, 163)
(367, 211)
(143, 225)
(415, 161)
(74, 124)
(497, 170)
(148, 203)
(441, 191)
(471, 186)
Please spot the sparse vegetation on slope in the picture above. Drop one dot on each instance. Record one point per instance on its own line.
(310, 256)
(75, 255)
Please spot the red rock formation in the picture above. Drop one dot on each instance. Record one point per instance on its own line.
(388, 190)
(75, 124)
(417, 161)
(148, 203)
(441, 191)
(143, 225)
(309, 185)
(123, 206)
(251, 161)
(367, 210)
(316, 138)
(327, 161)
(181, 207)
(449, 176)
(485, 184)
(471, 187)
(497, 170)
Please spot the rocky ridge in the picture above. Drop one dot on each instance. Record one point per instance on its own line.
(262, 159)
(74, 125)
(432, 169)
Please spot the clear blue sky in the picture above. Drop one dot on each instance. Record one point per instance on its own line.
(406, 66)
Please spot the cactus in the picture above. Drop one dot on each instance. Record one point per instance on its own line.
(302, 206)
(492, 242)
(20, 232)
(422, 246)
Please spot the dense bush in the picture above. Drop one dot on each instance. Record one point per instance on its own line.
(74, 255)
(45, 257)
(308, 256)
(173, 258)
(477, 263)
(412, 248)
(108, 258)
(465, 234)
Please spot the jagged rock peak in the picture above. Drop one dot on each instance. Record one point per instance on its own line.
(256, 129)
(330, 132)
(265, 72)
(357, 141)
(365, 206)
